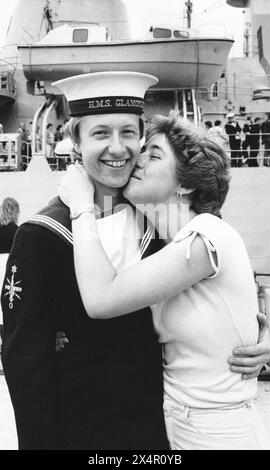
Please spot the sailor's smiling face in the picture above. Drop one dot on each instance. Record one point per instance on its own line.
(110, 146)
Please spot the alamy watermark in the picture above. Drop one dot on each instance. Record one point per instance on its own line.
(142, 217)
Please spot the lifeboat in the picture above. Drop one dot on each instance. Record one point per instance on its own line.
(179, 58)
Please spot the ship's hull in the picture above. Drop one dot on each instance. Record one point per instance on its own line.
(183, 63)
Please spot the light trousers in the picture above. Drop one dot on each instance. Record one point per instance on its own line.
(238, 427)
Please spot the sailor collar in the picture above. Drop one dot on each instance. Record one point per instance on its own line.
(55, 217)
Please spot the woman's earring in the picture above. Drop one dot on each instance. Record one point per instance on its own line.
(179, 198)
(184, 208)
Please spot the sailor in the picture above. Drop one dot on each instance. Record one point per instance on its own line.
(104, 390)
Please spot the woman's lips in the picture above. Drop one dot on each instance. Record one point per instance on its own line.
(136, 176)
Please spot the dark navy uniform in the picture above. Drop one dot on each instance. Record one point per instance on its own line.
(104, 391)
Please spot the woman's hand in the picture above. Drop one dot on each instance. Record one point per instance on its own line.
(76, 189)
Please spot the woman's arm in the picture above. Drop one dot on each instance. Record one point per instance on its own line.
(106, 293)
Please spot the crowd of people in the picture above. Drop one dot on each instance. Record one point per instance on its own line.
(243, 142)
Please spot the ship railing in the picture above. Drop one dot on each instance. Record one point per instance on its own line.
(233, 85)
(11, 61)
(261, 155)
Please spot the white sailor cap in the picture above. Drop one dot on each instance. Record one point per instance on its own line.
(106, 92)
(230, 115)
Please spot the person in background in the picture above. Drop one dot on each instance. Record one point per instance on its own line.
(209, 126)
(58, 133)
(38, 139)
(50, 145)
(265, 128)
(58, 137)
(254, 140)
(233, 130)
(49, 140)
(9, 214)
(25, 143)
(246, 141)
(22, 130)
(219, 135)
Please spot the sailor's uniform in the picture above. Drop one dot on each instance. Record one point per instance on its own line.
(104, 390)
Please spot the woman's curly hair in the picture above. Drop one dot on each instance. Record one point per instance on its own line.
(201, 163)
(9, 211)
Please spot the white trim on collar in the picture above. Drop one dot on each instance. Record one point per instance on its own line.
(53, 225)
(57, 227)
(146, 239)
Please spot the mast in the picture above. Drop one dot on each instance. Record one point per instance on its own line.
(47, 15)
(189, 7)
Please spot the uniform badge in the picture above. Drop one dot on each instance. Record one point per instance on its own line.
(13, 288)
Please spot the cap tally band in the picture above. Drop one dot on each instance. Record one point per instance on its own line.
(106, 104)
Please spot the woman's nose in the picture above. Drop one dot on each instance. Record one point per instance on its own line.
(142, 159)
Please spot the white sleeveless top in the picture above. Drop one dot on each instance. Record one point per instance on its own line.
(203, 324)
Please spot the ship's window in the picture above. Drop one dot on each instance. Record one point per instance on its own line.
(181, 34)
(162, 33)
(80, 35)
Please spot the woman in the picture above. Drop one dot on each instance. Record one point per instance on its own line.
(200, 285)
(9, 213)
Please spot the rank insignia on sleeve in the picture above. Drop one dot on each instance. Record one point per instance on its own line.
(13, 288)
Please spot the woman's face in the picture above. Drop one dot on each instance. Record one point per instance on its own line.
(153, 180)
